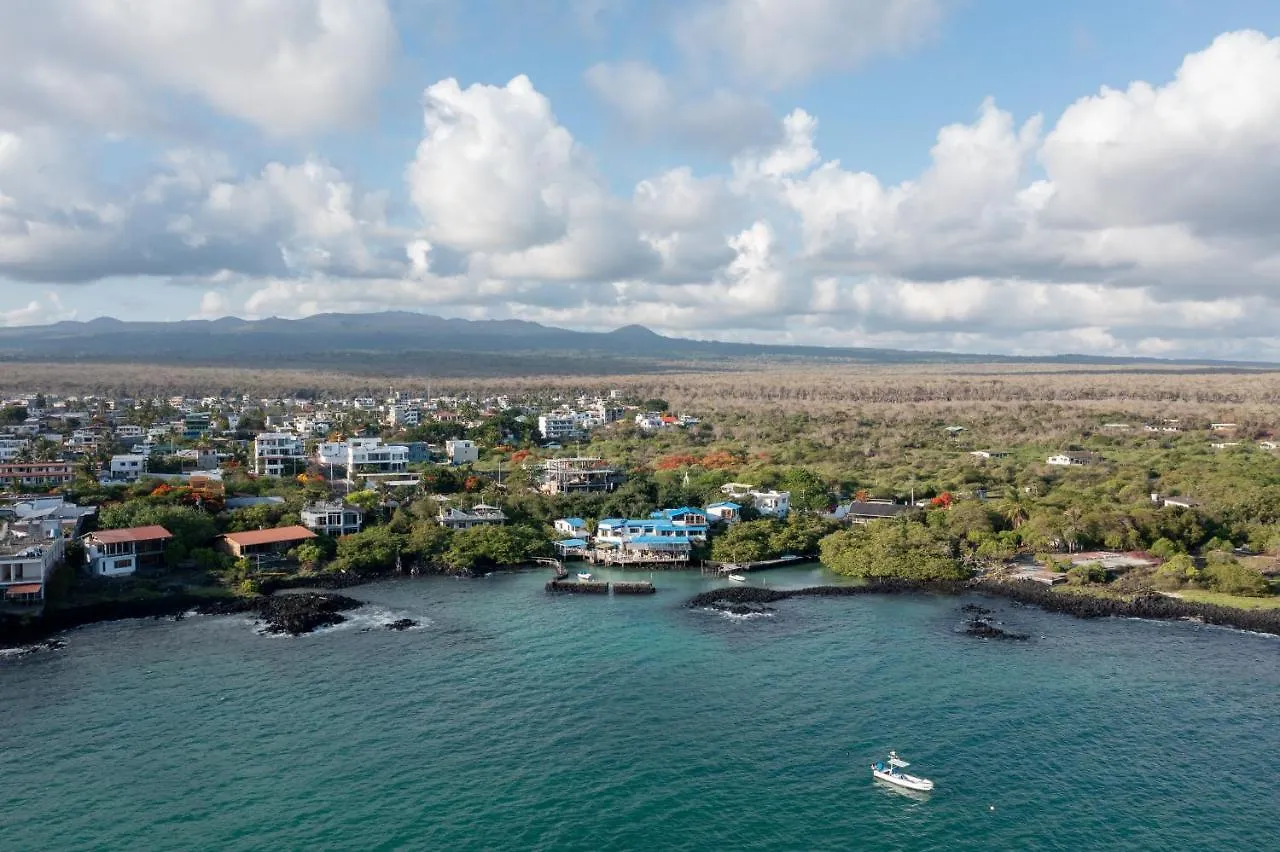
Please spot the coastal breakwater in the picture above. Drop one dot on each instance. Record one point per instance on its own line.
(292, 614)
(599, 588)
(744, 600)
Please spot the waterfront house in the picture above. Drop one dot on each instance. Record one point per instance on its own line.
(572, 527)
(118, 553)
(725, 512)
(260, 543)
(477, 516)
(29, 551)
(642, 540)
(693, 520)
(334, 518)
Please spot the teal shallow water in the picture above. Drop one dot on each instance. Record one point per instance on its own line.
(514, 720)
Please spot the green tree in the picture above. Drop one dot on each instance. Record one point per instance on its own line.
(899, 548)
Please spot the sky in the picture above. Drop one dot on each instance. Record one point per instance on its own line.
(967, 175)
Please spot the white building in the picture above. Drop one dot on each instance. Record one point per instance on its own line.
(28, 554)
(559, 427)
(364, 456)
(1071, 459)
(278, 454)
(332, 519)
(461, 452)
(127, 467)
(119, 553)
(128, 431)
(776, 504)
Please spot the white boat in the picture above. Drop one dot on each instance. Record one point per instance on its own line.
(584, 576)
(890, 770)
(737, 578)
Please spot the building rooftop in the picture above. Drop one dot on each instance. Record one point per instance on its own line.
(151, 533)
(276, 535)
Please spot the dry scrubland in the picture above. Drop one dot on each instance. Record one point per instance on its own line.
(1006, 402)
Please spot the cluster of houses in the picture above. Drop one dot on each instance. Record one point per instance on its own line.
(34, 532)
(667, 535)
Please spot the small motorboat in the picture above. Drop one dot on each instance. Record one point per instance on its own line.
(737, 578)
(890, 771)
(584, 576)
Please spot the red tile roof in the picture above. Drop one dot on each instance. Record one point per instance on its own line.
(272, 536)
(152, 533)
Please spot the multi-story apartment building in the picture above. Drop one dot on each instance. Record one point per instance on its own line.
(29, 551)
(40, 474)
(11, 448)
(364, 456)
(559, 427)
(334, 519)
(278, 454)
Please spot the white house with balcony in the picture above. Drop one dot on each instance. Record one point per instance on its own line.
(775, 504)
(29, 551)
(364, 457)
(333, 519)
(278, 454)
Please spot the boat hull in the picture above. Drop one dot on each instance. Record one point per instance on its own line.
(901, 779)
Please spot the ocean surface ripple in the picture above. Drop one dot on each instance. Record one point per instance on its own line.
(511, 719)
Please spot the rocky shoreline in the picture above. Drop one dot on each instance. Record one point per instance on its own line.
(1154, 606)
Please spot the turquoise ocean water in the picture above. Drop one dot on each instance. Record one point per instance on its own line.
(514, 720)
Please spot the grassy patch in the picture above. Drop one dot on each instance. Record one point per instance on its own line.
(1235, 601)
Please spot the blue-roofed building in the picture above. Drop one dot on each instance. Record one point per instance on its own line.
(686, 517)
(633, 533)
(571, 547)
(572, 527)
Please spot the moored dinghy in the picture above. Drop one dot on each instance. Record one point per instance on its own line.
(890, 770)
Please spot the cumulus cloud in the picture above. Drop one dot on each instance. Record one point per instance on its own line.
(779, 42)
(119, 65)
(1140, 221)
(193, 216)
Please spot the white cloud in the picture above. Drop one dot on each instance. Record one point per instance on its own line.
(193, 216)
(650, 107)
(287, 67)
(1140, 221)
(42, 311)
(779, 42)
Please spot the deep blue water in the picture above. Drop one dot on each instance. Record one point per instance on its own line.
(514, 720)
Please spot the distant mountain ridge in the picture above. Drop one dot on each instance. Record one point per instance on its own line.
(346, 342)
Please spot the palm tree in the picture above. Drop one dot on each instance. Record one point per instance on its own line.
(1013, 510)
